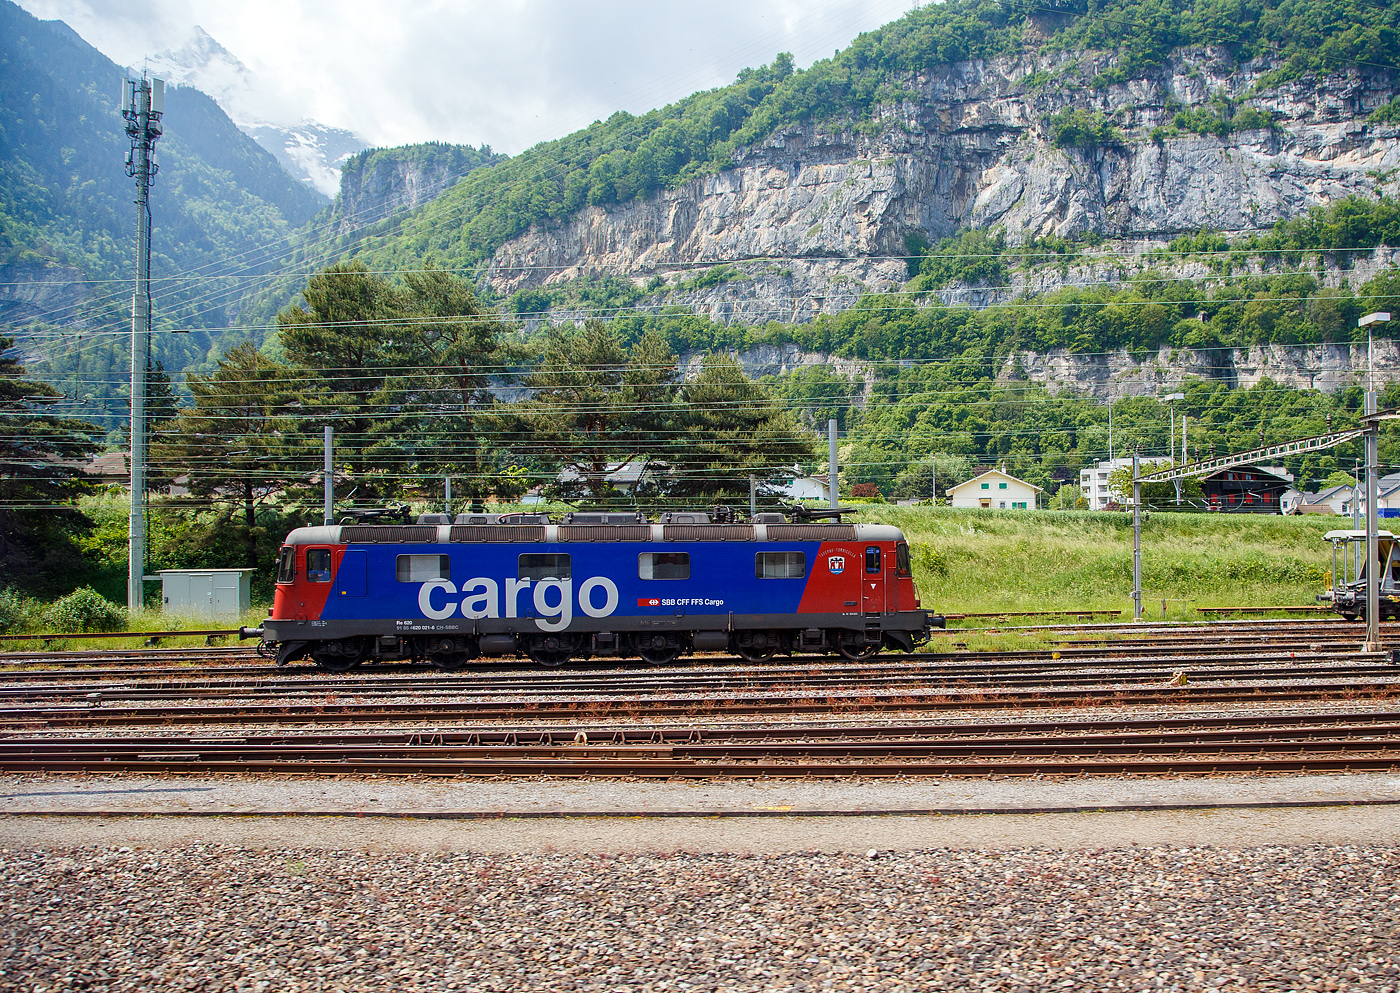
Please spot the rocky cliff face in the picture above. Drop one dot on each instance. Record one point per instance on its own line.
(972, 148)
(33, 291)
(1118, 374)
(378, 183)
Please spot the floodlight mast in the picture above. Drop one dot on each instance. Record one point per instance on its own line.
(143, 105)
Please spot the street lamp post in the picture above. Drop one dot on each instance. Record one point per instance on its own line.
(1373, 596)
(1171, 399)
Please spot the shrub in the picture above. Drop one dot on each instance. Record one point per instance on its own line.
(1077, 128)
(18, 613)
(86, 610)
(968, 257)
(1388, 113)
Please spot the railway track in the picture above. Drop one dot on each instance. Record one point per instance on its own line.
(1109, 636)
(1353, 742)
(535, 685)
(506, 718)
(719, 705)
(1165, 648)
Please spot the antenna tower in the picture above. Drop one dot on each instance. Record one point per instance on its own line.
(143, 105)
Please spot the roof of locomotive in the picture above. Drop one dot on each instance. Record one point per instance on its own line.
(688, 534)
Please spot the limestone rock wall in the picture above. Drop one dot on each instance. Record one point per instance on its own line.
(814, 217)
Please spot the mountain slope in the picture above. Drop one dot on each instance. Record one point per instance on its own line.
(308, 150)
(221, 204)
(66, 197)
(880, 87)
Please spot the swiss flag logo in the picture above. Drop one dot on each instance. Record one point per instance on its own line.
(644, 602)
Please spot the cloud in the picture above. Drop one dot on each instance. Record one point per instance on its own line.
(508, 73)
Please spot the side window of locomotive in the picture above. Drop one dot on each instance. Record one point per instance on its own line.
(421, 568)
(544, 565)
(780, 565)
(663, 565)
(287, 564)
(872, 558)
(318, 565)
(901, 559)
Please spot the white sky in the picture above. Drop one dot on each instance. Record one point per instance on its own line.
(509, 73)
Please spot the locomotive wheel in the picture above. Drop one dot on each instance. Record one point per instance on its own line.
(857, 651)
(448, 654)
(551, 651)
(657, 648)
(342, 655)
(761, 647)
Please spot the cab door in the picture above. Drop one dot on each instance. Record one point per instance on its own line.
(872, 580)
(352, 578)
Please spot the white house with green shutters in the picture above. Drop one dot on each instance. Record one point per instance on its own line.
(994, 490)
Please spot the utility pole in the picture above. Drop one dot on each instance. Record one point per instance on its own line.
(447, 495)
(1373, 568)
(1137, 540)
(143, 105)
(328, 477)
(1171, 434)
(831, 449)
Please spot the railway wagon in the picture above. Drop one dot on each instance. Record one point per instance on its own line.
(449, 592)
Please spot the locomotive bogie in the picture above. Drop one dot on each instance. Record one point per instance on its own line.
(449, 594)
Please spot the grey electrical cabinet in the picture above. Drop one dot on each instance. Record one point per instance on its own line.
(221, 593)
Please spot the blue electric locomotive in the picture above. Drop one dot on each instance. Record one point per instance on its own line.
(594, 584)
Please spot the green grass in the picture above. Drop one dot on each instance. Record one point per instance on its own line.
(981, 561)
(147, 621)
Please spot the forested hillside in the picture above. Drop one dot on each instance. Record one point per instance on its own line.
(221, 204)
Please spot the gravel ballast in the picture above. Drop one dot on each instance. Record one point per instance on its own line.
(209, 917)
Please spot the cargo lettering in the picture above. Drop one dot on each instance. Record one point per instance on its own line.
(552, 599)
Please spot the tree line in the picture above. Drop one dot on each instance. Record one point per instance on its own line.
(420, 382)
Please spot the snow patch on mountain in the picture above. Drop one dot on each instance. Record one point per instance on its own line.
(311, 151)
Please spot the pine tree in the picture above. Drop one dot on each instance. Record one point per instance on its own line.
(733, 428)
(402, 374)
(438, 404)
(596, 405)
(238, 440)
(41, 458)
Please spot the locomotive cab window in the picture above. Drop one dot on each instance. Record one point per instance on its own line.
(663, 565)
(287, 564)
(318, 565)
(872, 558)
(901, 559)
(780, 565)
(544, 565)
(422, 568)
